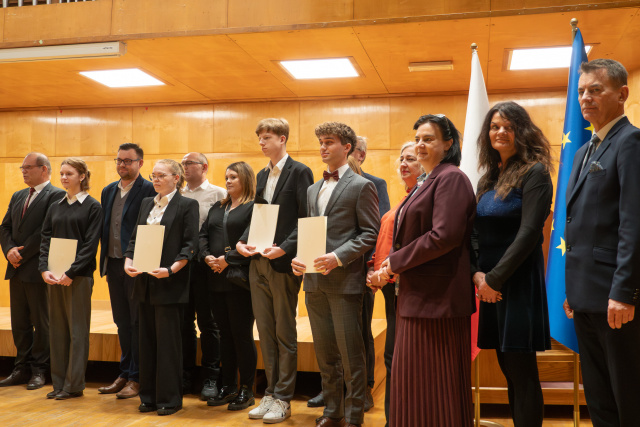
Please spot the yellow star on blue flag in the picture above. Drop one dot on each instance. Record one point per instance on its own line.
(562, 246)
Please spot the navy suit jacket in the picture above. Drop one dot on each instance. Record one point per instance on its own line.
(383, 196)
(141, 189)
(602, 233)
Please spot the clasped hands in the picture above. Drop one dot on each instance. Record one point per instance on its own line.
(50, 279)
(484, 292)
(323, 264)
(271, 253)
(377, 279)
(158, 273)
(14, 257)
(217, 264)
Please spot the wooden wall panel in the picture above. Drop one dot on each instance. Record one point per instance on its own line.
(151, 16)
(370, 9)
(25, 131)
(235, 125)
(632, 107)
(90, 19)
(497, 5)
(170, 130)
(92, 132)
(249, 13)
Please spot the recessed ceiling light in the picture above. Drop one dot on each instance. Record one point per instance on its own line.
(130, 77)
(320, 68)
(541, 58)
(431, 66)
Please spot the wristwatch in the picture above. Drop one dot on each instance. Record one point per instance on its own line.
(170, 271)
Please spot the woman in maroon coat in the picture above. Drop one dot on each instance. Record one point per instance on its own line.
(431, 378)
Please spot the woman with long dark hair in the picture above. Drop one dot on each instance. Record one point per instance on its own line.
(514, 200)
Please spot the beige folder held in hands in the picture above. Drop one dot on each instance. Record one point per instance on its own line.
(262, 230)
(312, 240)
(62, 253)
(148, 250)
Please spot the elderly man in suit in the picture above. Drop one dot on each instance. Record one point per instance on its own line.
(20, 239)
(334, 297)
(121, 204)
(603, 248)
(274, 287)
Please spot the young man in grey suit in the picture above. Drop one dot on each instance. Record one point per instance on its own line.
(274, 288)
(334, 297)
(20, 239)
(603, 248)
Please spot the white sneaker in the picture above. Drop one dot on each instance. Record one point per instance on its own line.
(262, 409)
(279, 411)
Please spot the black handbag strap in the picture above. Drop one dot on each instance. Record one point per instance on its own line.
(227, 209)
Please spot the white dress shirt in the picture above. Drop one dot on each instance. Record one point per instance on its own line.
(274, 175)
(38, 189)
(206, 195)
(325, 194)
(75, 198)
(159, 206)
(125, 190)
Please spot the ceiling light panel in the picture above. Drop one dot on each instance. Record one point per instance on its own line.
(130, 77)
(541, 58)
(320, 68)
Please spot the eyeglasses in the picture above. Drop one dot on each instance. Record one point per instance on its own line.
(127, 162)
(190, 163)
(29, 167)
(446, 121)
(154, 177)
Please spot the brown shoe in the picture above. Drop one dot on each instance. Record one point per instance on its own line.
(329, 422)
(117, 385)
(130, 390)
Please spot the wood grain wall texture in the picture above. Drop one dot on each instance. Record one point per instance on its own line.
(225, 133)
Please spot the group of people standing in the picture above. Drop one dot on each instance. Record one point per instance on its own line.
(425, 255)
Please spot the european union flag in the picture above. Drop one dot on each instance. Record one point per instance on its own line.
(576, 132)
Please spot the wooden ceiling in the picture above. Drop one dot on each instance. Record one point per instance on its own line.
(241, 66)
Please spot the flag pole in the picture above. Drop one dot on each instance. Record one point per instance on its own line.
(576, 358)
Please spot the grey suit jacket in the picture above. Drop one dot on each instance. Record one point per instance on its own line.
(353, 222)
(17, 231)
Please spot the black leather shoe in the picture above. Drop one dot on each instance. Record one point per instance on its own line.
(316, 402)
(169, 410)
(53, 394)
(226, 395)
(243, 401)
(209, 389)
(147, 407)
(63, 395)
(37, 381)
(368, 400)
(17, 377)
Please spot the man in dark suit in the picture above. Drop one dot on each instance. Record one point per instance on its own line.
(20, 239)
(603, 248)
(274, 287)
(334, 297)
(121, 203)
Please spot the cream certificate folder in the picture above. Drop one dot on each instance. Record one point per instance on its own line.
(262, 230)
(62, 253)
(312, 240)
(148, 250)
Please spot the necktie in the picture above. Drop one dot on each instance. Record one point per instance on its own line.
(593, 145)
(335, 175)
(26, 205)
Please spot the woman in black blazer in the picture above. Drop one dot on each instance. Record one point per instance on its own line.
(162, 292)
(231, 304)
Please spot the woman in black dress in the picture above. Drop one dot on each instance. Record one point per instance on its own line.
(77, 216)
(514, 200)
(225, 224)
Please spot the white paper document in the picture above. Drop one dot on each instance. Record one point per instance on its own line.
(148, 250)
(312, 240)
(62, 253)
(262, 230)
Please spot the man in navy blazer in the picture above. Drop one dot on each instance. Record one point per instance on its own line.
(602, 241)
(121, 204)
(20, 239)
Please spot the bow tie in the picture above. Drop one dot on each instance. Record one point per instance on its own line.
(335, 175)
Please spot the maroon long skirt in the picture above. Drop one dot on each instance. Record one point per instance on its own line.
(431, 373)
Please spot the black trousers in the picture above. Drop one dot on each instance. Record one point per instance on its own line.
(199, 307)
(610, 369)
(367, 335)
(30, 324)
(125, 316)
(389, 293)
(524, 390)
(234, 316)
(160, 354)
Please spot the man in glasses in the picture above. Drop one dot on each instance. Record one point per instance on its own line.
(121, 202)
(20, 239)
(206, 194)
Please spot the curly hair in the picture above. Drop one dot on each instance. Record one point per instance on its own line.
(531, 147)
(342, 131)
